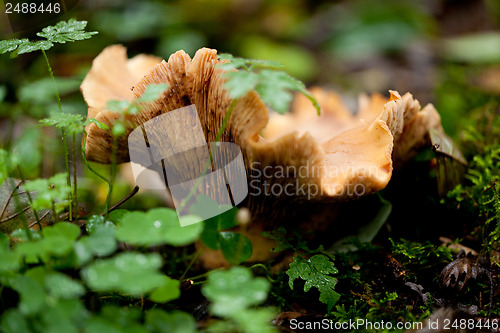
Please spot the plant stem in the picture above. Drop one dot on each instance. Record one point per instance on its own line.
(195, 256)
(130, 195)
(56, 219)
(63, 132)
(75, 186)
(113, 174)
(201, 275)
(268, 274)
(8, 199)
(92, 169)
(21, 212)
(30, 200)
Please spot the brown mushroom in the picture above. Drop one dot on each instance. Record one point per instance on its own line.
(318, 160)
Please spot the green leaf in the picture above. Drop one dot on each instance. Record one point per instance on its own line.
(240, 83)
(62, 286)
(49, 191)
(66, 230)
(73, 123)
(11, 45)
(273, 86)
(117, 215)
(237, 62)
(159, 321)
(28, 47)
(98, 123)
(256, 320)
(65, 316)
(168, 291)
(57, 241)
(234, 290)
(316, 271)
(158, 226)
(32, 294)
(97, 221)
(4, 243)
(118, 129)
(153, 92)
(21, 235)
(118, 106)
(69, 31)
(100, 243)
(13, 321)
(236, 248)
(130, 273)
(225, 220)
(116, 319)
(11, 262)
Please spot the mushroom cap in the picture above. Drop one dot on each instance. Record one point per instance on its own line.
(111, 77)
(337, 154)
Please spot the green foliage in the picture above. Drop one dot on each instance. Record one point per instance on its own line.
(160, 321)
(62, 32)
(235, 247)
(233, 293)
(41, 277)
(51, 193)
(7, 164)
(284, 241)
(130, 273)
(73, 123)
(272, 85)
(479, 194)
(316, 272)
(422, 255)
(153, 92)
(158, 226)
(50, 292)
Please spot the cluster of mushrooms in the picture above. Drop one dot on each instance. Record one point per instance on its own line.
(320, 160)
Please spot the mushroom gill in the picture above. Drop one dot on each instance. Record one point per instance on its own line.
(300, 158)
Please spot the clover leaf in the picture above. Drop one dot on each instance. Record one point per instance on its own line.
(130, 273)
(234, 290)
(158, 226)
(158, 320)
